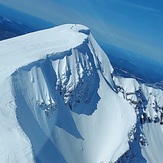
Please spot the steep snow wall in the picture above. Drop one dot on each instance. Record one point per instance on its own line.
(148, 104)
(59, 88)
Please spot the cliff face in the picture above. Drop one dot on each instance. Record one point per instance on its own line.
(148, 104)
(59, 99)
(61, 102)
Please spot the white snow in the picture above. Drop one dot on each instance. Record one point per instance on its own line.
(22, 50)
(148, 104)
(58, 101)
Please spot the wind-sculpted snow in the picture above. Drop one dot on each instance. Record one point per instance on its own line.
(58, 90)
(148, 104)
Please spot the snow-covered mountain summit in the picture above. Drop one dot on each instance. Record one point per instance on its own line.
(60, 102)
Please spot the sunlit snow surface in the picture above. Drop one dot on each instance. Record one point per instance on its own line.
(148, 103)
(58, 101)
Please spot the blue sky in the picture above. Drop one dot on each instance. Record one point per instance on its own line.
(132, 25)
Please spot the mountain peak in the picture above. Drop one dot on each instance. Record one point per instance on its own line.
(58, 90)
(37, 45)
(76, 28)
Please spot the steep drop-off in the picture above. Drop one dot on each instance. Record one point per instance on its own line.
(59, 102)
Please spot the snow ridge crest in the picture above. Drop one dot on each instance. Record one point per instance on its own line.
(61, 84)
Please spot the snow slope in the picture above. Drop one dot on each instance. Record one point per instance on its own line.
(148, 104)
(58, 100)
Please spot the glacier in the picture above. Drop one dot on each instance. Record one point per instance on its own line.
(61, 102)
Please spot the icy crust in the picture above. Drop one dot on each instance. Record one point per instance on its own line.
(148, 104)
(62, 93)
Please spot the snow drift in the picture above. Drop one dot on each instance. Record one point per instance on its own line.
(58, 100)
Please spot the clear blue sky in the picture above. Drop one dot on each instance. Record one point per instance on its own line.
(133, 25)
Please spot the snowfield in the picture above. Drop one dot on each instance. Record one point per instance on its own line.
(60, 102)
(148, 104)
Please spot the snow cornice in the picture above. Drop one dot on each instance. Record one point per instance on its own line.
(23, 50)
